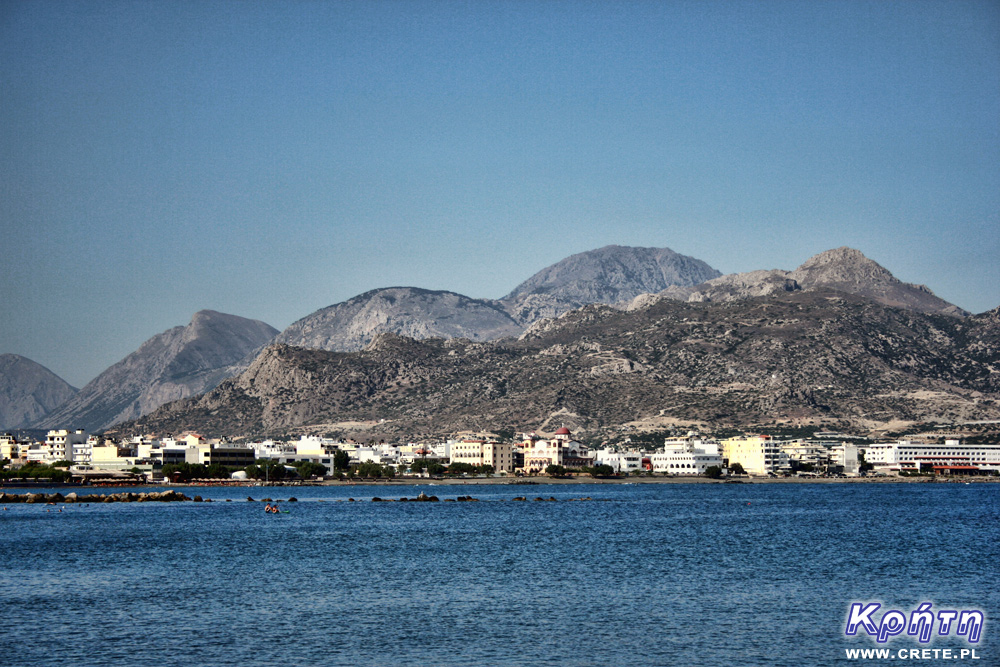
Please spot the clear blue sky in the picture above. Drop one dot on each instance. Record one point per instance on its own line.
(267, 159)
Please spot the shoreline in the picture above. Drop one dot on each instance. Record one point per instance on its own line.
(532, 481)
(539, 481)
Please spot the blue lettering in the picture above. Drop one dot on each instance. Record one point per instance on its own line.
(921, 622)
(893, 623)
(861, 615)
(971, 625)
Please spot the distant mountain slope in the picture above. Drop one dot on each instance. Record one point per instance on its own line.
(843, 269)
(177, 363)
(824, 356)
(408, 311)
(28, 391)
(610, 275)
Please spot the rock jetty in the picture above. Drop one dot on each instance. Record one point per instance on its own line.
(125, 497)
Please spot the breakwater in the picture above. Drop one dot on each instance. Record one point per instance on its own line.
(124, 497)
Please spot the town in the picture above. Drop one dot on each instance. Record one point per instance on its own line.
(190, 456)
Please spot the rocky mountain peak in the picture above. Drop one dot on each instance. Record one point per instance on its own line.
(28, 391)
(609, 275)
(177, 363)
(843, 265)
(409, 311)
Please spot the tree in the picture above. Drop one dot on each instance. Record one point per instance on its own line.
(309, 469)
(555, 471)
(264, 469)
(458, 468)
(737, 469)
(713, 472)
(602, 470)
(341, 460)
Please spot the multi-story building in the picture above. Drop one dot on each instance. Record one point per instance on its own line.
(629, 461)
(845, 455)
(758, 454)
(560, 450)
(950, 458)
(483, 452)
(234, 456)
(61, 445)
(10, 448)
(687, 456)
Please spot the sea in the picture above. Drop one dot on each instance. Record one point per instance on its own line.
(603, 575)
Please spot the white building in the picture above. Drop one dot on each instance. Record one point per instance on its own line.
(846, 455)
(950, 458)
(688, 456)
(61, 445)
(621, 461)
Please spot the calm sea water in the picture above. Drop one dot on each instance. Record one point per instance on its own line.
(665, 574)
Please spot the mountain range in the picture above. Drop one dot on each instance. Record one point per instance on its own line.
(820, 357)
(187, 361)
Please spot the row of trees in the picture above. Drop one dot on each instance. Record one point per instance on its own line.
(35, 471)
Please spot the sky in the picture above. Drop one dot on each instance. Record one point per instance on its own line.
(268, 159)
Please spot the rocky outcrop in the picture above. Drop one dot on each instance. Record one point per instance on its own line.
(28, 391)
(124, 497)
(842, 269)
(181, 362)
(407, 311)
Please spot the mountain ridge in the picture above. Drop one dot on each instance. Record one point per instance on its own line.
(179, 362)
(825, 356)
(28, 391)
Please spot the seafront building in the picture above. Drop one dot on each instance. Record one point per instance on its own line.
(560, 450)
(948, 459)
(758, 454)
(621, 461)
(686, 456)
(484, 452)
(60, 445)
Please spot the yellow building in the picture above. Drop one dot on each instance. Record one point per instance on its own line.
(758, 454)
(481, 452)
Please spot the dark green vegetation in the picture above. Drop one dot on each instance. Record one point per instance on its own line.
(822, 359)
(713, 472)
(36, 471)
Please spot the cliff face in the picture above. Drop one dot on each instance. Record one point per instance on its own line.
(177, 363)
(408, 311)
(28, 391)
(820, 355)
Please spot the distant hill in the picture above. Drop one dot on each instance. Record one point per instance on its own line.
(843, 269)
(28, 391)
(822, 356)
(610, 275)
(408, 311)
(180, 362)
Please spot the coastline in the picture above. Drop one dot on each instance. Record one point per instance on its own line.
(537, 481)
